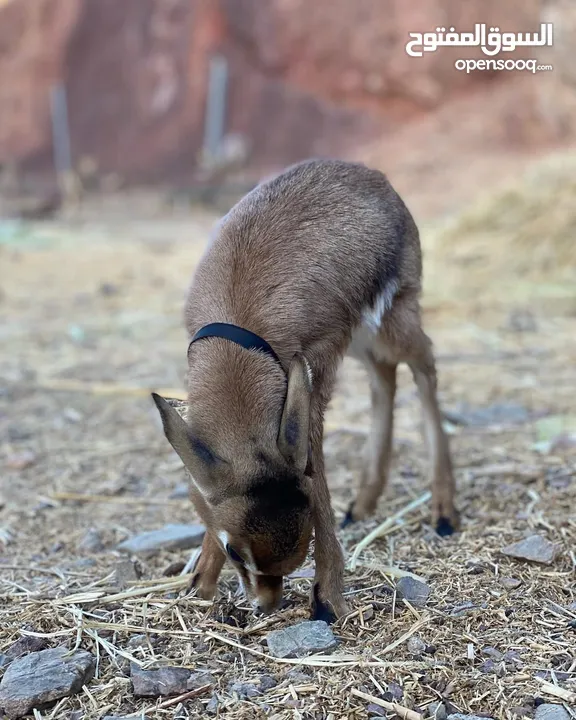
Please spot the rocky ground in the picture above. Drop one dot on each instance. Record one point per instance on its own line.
(481, 624)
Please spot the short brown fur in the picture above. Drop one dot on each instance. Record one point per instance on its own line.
(322, 260)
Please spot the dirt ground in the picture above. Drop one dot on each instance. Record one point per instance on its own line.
(91, 321)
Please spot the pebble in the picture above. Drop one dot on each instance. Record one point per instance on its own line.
(92, 542)
(521, 320)
(437, 711)
(212, 706)
(124, 717)
(415, 645)
(375, 711)
(21, 461)
(170, 537)
(166, 681)
(267, 682)
(462, 716)
(303, 639)
(510, 583)
(21, 647)
(550, 711)
(126, 572)
(496, 414)
(415, 591)
(244, 690)
(42, 677)
(534, 548)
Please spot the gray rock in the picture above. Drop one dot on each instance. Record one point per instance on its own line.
(137, 641)
(302, 639)
(508, 413)
(267, 682)
(510, 583)
(212, 706)
(492, 653)
(534, 548)
(166, 681)
(126, 572)
(23, 646)
(244, 690)
(91, 542)
(437, 711)
(41, 677)
(163, 681)
(415, 645)
(375, 711)
(550, 711)
(522, 320)
(125, 717)
(416, 592)
(462, 716)
(170, 537)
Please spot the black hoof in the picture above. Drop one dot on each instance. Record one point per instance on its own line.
(348, 519)
(321, 611)
(444, 527)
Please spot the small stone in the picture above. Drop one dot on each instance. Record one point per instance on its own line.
(395, 691)
(303, 639)
(212, 706)
(462, 716)
(163, 681)
(126, 572)
(267, 682)
(41, 677)
(414, 591)
(125, 717)
(375, 711)
(198, 679)
(91, 542)
(492, 653)
(510, 583)
(137, 641)
(21, 461)
(108, 289)
(244, 690)
(508, 413)
(520, 710)
(415, 645)
(551, 711)
(23, 646)
(487, 667)
(170, 537)
(534, 548)
(437, 711)
(521, 321)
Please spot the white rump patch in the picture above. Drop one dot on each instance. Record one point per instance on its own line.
(372, 317)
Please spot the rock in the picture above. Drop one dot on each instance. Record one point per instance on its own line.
(108, 289)
(41, 677)
(170, 537)
(126, 572)
(395, 691)
(154, 683)
(91, 542)
(496, 414)
(303, 639)
(487, 667)
(416, 592)
(125, 717)
(534, 548)
(212, 706)
(462, 716)
(166, 681)
(267, 682)
(244, 690)
(21, 461)
(415, 645)
(137, 641)
(510, 583)
(521, 320)
(375, 711)
(23, 646)
(492, 653)
(437, 711)
(550, 711)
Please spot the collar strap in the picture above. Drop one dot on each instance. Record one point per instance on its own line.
(238, 335)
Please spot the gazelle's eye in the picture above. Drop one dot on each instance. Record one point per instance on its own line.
(234, 555)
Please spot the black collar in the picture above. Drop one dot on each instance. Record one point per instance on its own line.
(238, 335)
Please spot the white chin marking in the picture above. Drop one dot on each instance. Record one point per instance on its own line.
(372, 317)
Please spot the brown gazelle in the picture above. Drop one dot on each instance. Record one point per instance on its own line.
(322, 260)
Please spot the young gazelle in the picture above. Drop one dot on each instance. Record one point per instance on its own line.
(322, 260)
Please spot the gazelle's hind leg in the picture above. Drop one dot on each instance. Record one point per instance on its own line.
(379, 446)
(401, 339)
